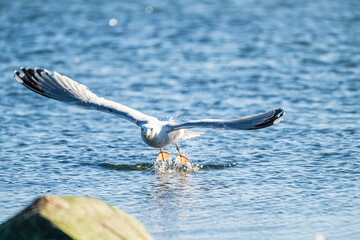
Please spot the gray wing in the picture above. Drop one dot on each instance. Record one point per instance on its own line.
(64, 89)
(258, 121)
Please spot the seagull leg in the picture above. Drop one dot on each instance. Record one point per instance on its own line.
(182, 159)
(163, 155)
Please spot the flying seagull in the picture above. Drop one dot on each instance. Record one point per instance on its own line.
(155, 133)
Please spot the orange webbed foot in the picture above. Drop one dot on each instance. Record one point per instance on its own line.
(163, 155)
(182, 159)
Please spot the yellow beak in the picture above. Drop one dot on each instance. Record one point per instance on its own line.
(147, 133)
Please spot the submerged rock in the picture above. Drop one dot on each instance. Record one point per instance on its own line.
(51, 217)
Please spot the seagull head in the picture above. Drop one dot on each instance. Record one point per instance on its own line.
(148, 131)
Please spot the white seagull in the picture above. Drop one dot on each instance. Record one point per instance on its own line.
(155, 133)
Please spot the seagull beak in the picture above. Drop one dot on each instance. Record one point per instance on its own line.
(147, 133)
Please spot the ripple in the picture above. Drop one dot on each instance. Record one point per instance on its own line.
(127, 167)
(170, 166)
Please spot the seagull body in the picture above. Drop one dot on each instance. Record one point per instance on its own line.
(155, 133)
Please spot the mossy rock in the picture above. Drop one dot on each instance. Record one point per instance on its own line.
(51, 217)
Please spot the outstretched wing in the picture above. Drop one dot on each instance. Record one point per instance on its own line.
(64, 89)
(258, 121)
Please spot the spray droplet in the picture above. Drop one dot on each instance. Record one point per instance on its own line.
(149, 10)
(319, 236)
(112, 22)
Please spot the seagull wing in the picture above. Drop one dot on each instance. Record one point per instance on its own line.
(258, 121)
(64, 89)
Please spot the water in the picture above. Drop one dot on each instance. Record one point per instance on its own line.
(190, 60)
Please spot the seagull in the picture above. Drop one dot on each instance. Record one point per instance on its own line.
(155, 133)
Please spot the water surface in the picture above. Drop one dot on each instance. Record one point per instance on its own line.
(190, 60)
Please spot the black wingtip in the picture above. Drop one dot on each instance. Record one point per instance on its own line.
(28, 79)
(281, 113)
(275, 118)
(39, 70)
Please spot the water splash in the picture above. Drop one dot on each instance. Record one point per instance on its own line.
(172, 165)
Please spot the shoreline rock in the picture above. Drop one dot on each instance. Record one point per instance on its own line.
(51, 217)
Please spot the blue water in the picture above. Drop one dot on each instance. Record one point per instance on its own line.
(190, 60)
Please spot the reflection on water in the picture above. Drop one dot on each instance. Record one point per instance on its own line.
(170, 199)
(167, 187)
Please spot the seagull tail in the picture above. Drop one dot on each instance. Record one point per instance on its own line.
(189, 134)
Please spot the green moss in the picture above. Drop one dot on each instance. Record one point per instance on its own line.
(52, 217)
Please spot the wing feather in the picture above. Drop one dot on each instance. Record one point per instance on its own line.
(258, 121)
(64, 89)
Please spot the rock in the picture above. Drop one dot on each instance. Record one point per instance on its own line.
(51, 217)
